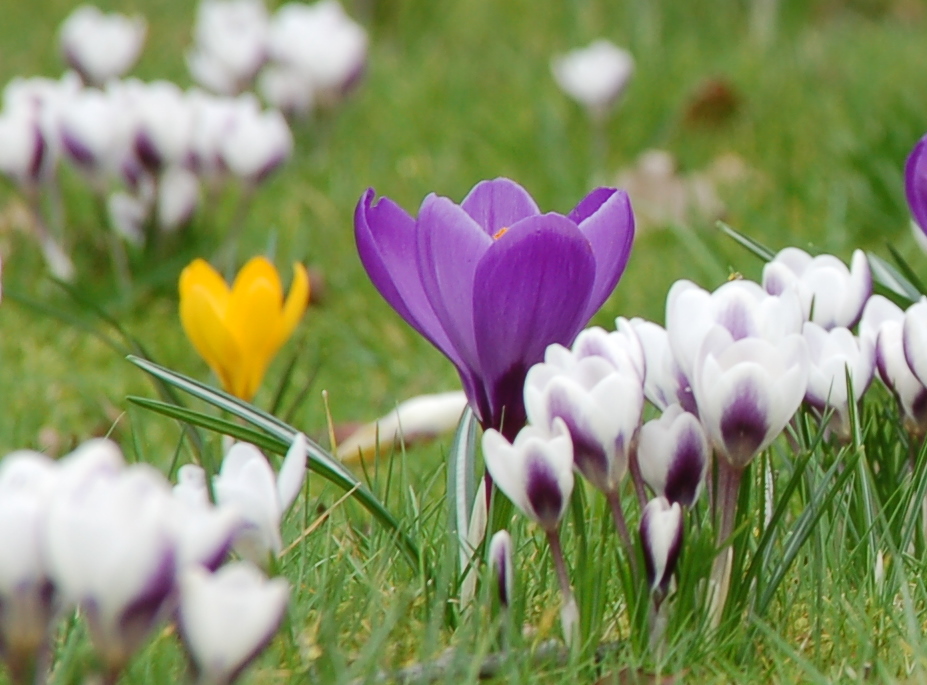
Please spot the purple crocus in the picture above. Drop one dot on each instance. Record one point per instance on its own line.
(915, 183)
(492, 282)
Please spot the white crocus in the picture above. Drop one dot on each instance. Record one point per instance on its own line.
(101, 46)
(664, 383)
(24, 149)
(164, 125)
(256, 145)
(500, 558)
(914, 338)
(831, 294)
(661, 532)
(178, 197)
(228, 617)
(535, 472)
(594, 76)
(673, 455)
(230, 44)
(286, 88)
(247, 483)
(833, 355)
(747, 390)
(882, 322)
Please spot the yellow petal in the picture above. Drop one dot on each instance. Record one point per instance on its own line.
(296, 302)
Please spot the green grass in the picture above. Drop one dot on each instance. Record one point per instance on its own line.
(456, 92)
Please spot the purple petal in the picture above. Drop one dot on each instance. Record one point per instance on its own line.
(450, 246)
(915, 183)
(543, 491)
(531, 290)
(685, 472)
(610, 230)
(743, 424)
(385, 237)
(498, 204)
(736, 318)
(588, 453)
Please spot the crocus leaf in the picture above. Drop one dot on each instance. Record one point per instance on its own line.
(906, 269)
(753, 246)
(461, 482)
(891, 279)
(320, 460)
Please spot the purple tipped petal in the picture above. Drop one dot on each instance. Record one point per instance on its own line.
(588, 453)
(531, 289)
(543, 489)
(737, 318)
(915, 183)
(609, 227)
(686, 468)
(498, 204)
(385, 237)
(743, 424)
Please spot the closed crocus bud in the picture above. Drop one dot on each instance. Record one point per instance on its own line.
(833, 354)
(915, 183)
(741, 307)
(620, 347)
(500, 557)
(24, 150)
(882, 322)
(664, 383)
(228, 617)
(95, 132)
(27, 480)
(661, 532)
(247, 483)
(600, 406)
(747, 390)
(914, 338)
(287, 89)
(535, 472)
(256, 145)
(322, 42)
(673, 454)
(594, 76)
(230, 44)
(831, 294)
(110, 551)
(101, 46)
(178, 197)
(164, 126)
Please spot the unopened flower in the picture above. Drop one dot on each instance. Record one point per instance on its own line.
(535, 472)
(834, 355)
(661, 532)
(915, 183)
(178, 197)
(164, 120)
(238, 330)
(24, 149)
(247, 483)
(594, 76)
(256, 144)
(747, 390)
(228, 617)
(673, 455)
(500, 557)
(101, 46)
(230, 44)
(492, 282)
(831, 294)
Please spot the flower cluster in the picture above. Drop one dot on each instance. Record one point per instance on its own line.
(301, 57)
(118, 543)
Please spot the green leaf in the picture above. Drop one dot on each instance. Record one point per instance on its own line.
(753, 246)
(320, 461)
(891, 279)
(461, 482)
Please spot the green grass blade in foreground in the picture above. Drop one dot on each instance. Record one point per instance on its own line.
(753, 246)
(320, 461)
(461, 482)
(892, 280)
(906, 269)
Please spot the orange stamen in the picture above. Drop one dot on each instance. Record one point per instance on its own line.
(501, 232)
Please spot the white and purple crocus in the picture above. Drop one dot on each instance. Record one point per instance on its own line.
(491, 282)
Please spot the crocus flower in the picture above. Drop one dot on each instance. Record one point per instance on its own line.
(747, 390)
(178, 197)
(230, 44)
(500, 557)
(664, 383)
(227, 618)
(594, 76)
(101, 46)
(914, 338)
(834, 354)
(492, 282)
(164, 125)
(915, 183)
(661, 536)
(882, 322)
(238, 330)
(831, 294)
(247, 483)
(535, 472)
(256, 144)
(673, 454)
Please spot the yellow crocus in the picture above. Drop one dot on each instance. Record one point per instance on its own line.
(238, 330)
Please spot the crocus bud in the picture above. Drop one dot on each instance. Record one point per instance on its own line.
(247, 484)
(831, 295)
(230, 44)
(748, 390)
(915, 183)
(664, 383)
(164, 126)
(23, 148)
(500, 557)
(882, 322)
(286, 88)
(594, 76)
(661, 533)
(101, 46)
(256, 145)
(228, 617)
(178, 197)
(833, 354)
(914, 338)
(673, 454)
(535, 472)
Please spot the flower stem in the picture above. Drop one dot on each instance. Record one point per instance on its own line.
(614, 503)
(635, 469)
(569, 613)
(728, 490)
(58, 261)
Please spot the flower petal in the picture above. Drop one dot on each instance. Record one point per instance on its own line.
(498, 204)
